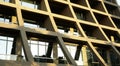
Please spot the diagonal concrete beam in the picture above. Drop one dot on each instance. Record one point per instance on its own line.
(65, 51)
(26, 47)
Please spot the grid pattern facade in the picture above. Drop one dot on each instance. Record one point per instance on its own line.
(90, 27)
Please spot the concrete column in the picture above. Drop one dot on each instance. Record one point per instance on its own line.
(19, 48)
(55, 53)
(84, 54)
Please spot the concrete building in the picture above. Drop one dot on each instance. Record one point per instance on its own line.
(59, 33)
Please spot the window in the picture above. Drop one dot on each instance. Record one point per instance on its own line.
(30, 23)
(6, 44)
(41, 47)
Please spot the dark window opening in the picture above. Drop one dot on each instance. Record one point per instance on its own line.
(95, 4)
(34, 20)
(60, 8)
(92, 32)
(83, 14)
(103, 19)
(8, 17)
(80, 2)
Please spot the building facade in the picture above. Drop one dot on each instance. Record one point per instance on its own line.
(59, 33)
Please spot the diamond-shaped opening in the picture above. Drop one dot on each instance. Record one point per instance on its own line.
(67, 27)
(60, 8)
(95, 4)
(117, 22)
(80, 2)
(114, 10)
(36, 21)
(93, 32)
(103, 19)
(83, 14)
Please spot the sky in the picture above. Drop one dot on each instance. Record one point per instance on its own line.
(118, 1)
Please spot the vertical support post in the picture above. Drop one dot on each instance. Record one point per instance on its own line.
(55, 53)
(84, 54)
(49, 50)
(19, 48)
(112, 38)
(77, 54)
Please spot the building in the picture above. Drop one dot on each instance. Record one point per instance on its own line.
(59, 33)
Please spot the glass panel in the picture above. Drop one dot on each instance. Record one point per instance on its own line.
(3, 47)
(7, 21)
(27, 4)
(7, 0)
(9, 47)
(42, 50)
(1, 19)
(3, 37)
(34, 49)
(72, 50)
(30, 25)
(34, 42)
(10, 39)
(60, 53)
